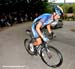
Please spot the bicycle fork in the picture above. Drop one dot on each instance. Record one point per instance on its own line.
(47, 51)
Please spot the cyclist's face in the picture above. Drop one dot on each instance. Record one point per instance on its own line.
(55, 16)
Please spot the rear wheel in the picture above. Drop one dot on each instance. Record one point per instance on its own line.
(27, 46)
(52, 57)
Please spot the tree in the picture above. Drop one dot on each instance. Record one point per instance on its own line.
(70, 9)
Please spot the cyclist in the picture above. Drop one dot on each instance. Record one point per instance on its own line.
(40, 22)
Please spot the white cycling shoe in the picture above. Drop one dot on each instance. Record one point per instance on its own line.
(31, 47)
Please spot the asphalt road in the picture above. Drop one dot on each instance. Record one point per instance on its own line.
(14, 56)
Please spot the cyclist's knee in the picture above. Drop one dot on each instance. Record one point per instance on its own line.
(39, 41)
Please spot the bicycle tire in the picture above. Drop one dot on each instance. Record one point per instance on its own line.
(58, 54)
(27, 47)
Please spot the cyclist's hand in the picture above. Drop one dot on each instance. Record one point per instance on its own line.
(45, 39)
(51, 35)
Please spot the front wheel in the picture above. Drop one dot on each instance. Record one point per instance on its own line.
(27, 46)
(51, 56)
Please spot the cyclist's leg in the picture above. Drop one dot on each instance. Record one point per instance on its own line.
(38, 40)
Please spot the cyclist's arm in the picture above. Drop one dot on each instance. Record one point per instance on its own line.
(39, 25)
(49, 28)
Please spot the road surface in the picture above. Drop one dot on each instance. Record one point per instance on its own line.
(14, 56)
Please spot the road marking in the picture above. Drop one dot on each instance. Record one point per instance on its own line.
(6, 66)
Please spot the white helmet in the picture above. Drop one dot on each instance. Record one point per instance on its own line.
(58, 10)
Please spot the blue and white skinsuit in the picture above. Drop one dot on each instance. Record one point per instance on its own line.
(44, 19)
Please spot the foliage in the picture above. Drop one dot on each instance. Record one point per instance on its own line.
(73, 5)
(48, 8)
(44, 7)
(67, 6)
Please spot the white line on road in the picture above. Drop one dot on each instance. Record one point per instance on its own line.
(6, 66)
